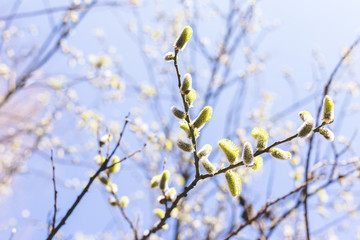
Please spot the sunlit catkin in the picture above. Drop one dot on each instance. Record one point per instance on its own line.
(169, 56)
(258, 163)
(164, 180)
(248, 155)
(184, 37)
(306, 128)
(234, 182)
(190, 97)
(207, 165)
(327, 134)
(230, 150)
(328, 110)
(305, 116)
(178, 113)
(204, 151)
(279, 154)
(204, 117)
(261, 137)
(186, 84)
(186, 147)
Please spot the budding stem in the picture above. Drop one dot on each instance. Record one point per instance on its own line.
(187, 117)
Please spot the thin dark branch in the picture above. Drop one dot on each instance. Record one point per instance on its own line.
(57, 9)
(187, 118)
(55, 191)
(267, 205)
(326, 90)
(275, 224)
(103, 167)
(132, 226)
(162, 222)
(38, 62)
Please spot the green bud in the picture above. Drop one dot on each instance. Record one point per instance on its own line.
(185, 126)
(124, 201)
(103, 180)
(115, 165)
(178, 113)
(159, 213)
(205, 151)
(327, 134)
(190, 97)
(305, 116)
(248, 155)
(186, 84)
(183, 38)
(186, 147)
(230, 150)
(280, 154)
(306, 128)
(169, 56)
(207, 165)
(204, 117)
(155, 181)
(261, 137)
(164, 179)
(328, 110)
(258, 163)
(234, 182)
(99, 159)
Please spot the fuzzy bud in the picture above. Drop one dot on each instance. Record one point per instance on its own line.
(261, 137)
(155, 181)
(99, 159)
(124, 201)
(230, 150)
(169, 56)
(186, 84)
(234, 183)
(115, 165)
(305, 116)
(327, 134)
(171, 194)
(279, 154)
(159, 213)
(328, 110)
(207, 165)
(112, 201)
(105, 139)
(161, 199)
(183, 38)
(258, 163)
(205, 151)
(190, 97)
(248, 155)
(186, 147)
(204, 117)
(178, 113)
(185, 126)
(164, 179)
(306, 128)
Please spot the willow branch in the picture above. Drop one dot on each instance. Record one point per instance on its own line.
(267, 205)
(55, 191)
(102, 168)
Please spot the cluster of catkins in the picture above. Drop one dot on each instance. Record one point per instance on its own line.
(327, 117)
(231, 151)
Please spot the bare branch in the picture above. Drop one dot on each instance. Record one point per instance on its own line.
(55, 191)
(267, 205)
